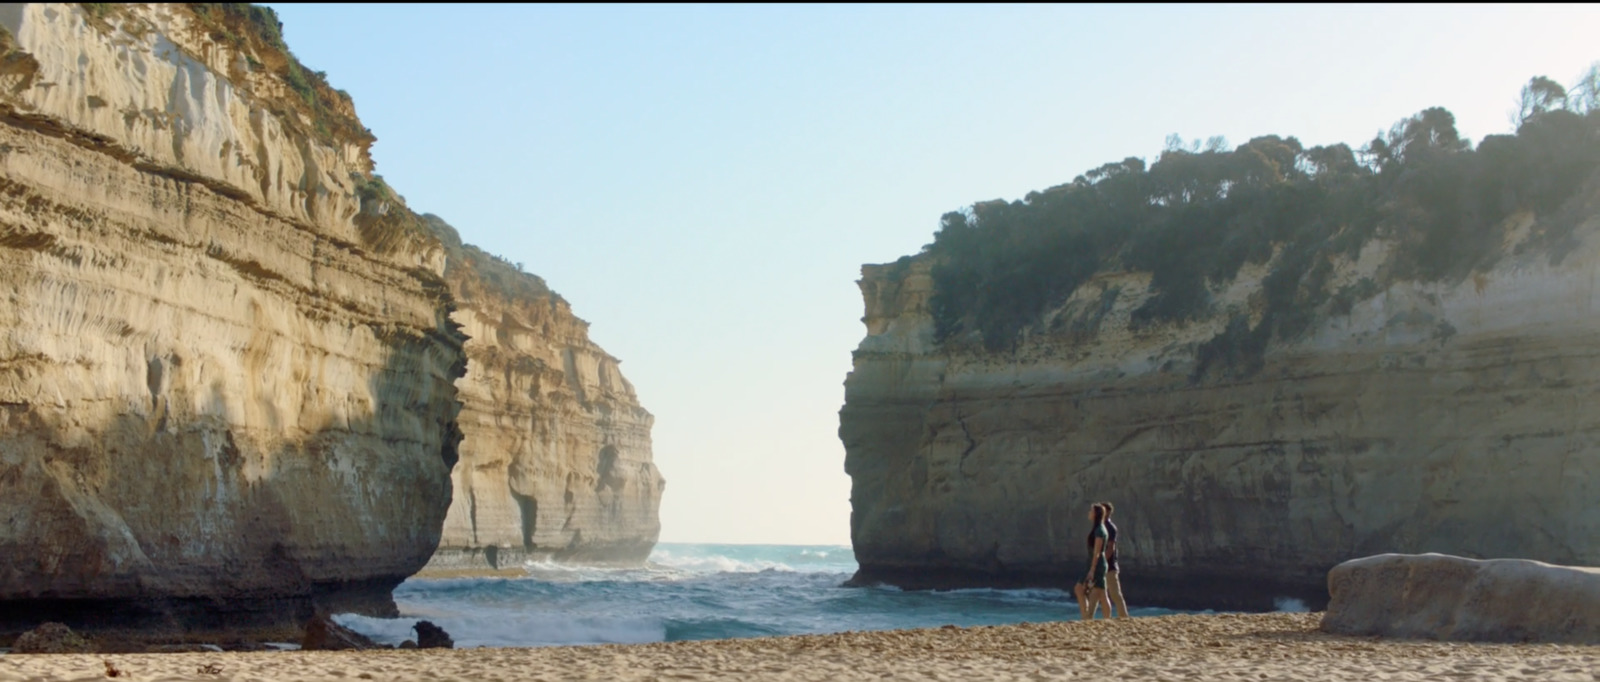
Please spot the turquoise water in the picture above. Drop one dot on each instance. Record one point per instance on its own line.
(695, 591)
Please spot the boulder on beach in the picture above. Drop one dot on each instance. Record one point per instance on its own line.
(52, 638)
(430, 636)
(322, 634)
(1437, 596)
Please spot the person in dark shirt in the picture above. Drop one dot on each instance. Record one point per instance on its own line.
(1113, 571)
(1091, 591)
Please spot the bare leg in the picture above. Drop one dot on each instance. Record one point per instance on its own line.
(1083, 601)
(1101, 601)
(1092, 600)
(1114, 588)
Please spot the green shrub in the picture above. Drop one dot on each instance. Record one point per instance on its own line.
(256, 32)
(98, 10)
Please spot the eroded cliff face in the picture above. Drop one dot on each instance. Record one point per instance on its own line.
(555, 459)
(226, 384)
(1452, 417)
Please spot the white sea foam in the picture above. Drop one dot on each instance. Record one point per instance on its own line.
(714, 563)
(1290, 605)
(690, 591)
(1033, 594)
(505, 629)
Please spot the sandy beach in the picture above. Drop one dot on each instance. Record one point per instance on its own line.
(1276, 646)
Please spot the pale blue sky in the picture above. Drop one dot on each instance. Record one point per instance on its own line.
(703, 183)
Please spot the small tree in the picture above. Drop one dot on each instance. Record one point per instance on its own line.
(1584, 96)
(1431, 131)
(1539, 96)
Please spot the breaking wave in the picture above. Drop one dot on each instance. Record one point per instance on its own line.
(690, 591)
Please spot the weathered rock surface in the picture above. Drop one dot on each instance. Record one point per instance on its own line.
(227, 391)
(323, 634)
(52, 638)
(1436, 596)
(555, 455)
(229, 354)
(430, 636)
(1449, 417)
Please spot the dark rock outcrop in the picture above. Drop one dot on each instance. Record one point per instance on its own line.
(323, 634)
(430, 636)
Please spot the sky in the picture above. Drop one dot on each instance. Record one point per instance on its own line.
(703, 183)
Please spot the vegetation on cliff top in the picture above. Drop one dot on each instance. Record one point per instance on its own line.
(475, 268)
(1199, 213)
(255, 32)
(258, 34)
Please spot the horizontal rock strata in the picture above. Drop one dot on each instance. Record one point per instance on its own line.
(1433, 417)
(227, 391)
(555, 455)
(232, 359)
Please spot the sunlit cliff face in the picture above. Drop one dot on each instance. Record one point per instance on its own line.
(556, 460)
(232, 360)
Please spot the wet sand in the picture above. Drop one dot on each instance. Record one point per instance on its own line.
(1279, 646)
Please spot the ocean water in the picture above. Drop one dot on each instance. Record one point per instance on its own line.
(695, 591)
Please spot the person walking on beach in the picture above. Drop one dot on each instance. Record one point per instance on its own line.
(1091, 592)
(1113, 571)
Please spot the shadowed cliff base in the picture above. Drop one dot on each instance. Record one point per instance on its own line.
(139, 621)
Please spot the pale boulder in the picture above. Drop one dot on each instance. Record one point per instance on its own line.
(1437, 596)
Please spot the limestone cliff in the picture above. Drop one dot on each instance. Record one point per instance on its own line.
(1452, 416)
(226, 363)
(232, 359)
(555, 459)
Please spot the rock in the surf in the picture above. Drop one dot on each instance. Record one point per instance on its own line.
(1437, 596)
(430, 636)
(322, 634)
